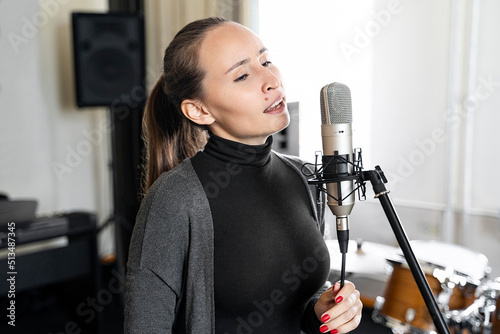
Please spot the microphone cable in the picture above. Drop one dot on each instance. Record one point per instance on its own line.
(342, 271)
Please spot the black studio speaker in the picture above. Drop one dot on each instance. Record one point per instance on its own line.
(109, 57)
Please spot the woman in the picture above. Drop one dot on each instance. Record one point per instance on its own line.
(229, 238)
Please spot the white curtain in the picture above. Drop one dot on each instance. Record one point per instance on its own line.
(165, 18)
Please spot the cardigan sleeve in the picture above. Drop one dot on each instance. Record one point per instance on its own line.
(150, 303)
(169, 286)
(156, 264)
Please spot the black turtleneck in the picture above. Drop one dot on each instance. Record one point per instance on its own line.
(268, 252)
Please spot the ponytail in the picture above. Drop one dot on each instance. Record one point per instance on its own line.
(169, 137)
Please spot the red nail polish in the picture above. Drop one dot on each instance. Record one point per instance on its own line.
(325, 318)
(334, 331)
(323, 329)
(339, 299)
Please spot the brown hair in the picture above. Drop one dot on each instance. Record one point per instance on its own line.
(168, 135)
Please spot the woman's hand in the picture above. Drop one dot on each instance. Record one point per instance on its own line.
(339, 310)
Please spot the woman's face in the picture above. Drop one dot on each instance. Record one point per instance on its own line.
(243, 89)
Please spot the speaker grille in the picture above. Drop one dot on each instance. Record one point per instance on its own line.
(109, 71)
(109, 57)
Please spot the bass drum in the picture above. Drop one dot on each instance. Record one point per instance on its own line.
(453, 273)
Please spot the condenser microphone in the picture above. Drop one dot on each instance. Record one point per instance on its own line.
(338, 159)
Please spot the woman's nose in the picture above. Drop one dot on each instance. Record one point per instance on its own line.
(271, 81)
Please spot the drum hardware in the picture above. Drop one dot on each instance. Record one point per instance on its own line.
(477, 318)
(468, 302)
(410, 315)
(448, 282)
(480, 317)
(467, 320)
(397, 327)
(486, 315)
(451, 282)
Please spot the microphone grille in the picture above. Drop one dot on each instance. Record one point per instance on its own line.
(336, 107)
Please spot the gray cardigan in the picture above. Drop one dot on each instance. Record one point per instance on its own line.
(169, 283)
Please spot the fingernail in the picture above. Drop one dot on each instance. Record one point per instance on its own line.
(334, 331)
(339, 299)
(323, 329)
(325, 318)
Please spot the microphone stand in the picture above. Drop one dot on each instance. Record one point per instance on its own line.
(377, 179)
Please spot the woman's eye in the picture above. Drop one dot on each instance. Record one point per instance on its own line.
(241, 78)
(266, 63)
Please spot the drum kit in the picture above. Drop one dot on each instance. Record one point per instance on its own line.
(458, 277)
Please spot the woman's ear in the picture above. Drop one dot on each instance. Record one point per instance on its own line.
(196, 112)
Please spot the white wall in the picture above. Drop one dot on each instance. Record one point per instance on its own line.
(49, 150)
(409, 67)
(424, 78)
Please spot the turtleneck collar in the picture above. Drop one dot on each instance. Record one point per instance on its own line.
(241, 155)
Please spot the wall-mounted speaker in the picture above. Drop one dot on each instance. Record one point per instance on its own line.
(109, 57)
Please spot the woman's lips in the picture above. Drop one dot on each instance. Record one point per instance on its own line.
(276, 107)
